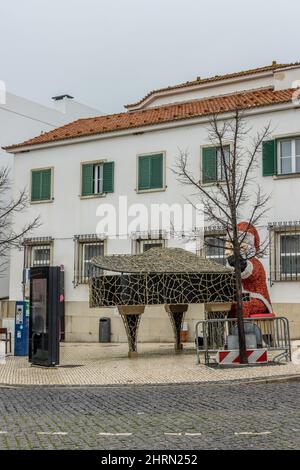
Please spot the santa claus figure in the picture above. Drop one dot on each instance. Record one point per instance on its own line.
(254, 280)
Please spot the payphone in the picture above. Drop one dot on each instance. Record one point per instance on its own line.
(21, 328)
(46, 323)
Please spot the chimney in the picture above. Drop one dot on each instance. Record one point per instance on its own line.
(60, 102)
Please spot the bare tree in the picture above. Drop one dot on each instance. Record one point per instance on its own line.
(233, 190)
(9, 211)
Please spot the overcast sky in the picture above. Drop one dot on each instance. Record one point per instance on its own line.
(108, 53)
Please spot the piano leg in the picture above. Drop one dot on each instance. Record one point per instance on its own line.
(176, 314)
(131, 316)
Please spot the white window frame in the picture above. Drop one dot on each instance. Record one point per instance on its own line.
(42, 201)
(164, 176)
(138, 247)
(293, 154)
(79, 257)
(217, 236)
(98, 178)
(220, 176)
(84, 261)
(280, 255)
(30, 250)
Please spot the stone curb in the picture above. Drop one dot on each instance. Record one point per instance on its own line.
(234, 382)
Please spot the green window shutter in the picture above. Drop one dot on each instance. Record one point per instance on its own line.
(108, 177)
(45, 185)
(269, 157)
(156, 171)
(87, 179)
(209, 164)
(41, 185)
(144, 172)
(35, 185)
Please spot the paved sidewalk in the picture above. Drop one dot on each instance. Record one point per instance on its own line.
(107, 364)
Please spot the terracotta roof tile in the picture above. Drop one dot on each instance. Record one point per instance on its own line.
(162, 114)
(216, 78)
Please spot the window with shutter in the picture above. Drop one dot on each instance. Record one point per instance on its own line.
(41, 185)
(97, 178)
(156, 171)
(269, 157)
(108, 177)
(151, 172)
(287, 156)
(87, 188)
(46, 185)
(209, 165)
(214, 163)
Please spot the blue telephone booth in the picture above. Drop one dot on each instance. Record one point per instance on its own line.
(22, 328)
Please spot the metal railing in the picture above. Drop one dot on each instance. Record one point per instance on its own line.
(272, 334)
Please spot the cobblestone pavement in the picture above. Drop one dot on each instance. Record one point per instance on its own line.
(108, 364)
(256, 416)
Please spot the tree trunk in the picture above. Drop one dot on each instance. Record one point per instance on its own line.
(239, 301)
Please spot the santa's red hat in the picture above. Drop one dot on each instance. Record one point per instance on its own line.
(248, 234)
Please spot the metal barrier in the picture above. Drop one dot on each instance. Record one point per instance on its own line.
(272, 334)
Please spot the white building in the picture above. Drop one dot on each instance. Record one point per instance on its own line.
(20, 119)
(74, 170)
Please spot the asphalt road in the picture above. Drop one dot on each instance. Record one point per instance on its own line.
(151, 417)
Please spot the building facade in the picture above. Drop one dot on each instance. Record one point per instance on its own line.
(77, 172)
(20, 119)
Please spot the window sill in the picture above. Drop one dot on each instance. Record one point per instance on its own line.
(80, 284)
(46, 201)
(213, 183)
(286, 176)
(94, 196)
(155, 190)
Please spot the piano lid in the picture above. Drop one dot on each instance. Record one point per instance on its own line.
(159, 260)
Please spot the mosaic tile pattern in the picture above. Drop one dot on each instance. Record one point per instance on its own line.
(151, 289)
(108, 364)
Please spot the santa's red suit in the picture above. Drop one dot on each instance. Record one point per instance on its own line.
(254, 280)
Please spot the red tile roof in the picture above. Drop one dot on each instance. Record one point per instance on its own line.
(163, 114)
(202, 81)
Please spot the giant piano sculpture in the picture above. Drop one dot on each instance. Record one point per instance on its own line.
(172, 277)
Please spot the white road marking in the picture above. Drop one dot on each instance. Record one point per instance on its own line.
(252, 433)
(115, 434)
(52, 433)
(3, 432)
(188, 434)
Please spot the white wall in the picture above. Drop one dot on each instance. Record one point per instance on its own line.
(68, 215)
(209, 90)
(278, 80)
(21, 119)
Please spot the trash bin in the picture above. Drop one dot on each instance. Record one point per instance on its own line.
(104, 330)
